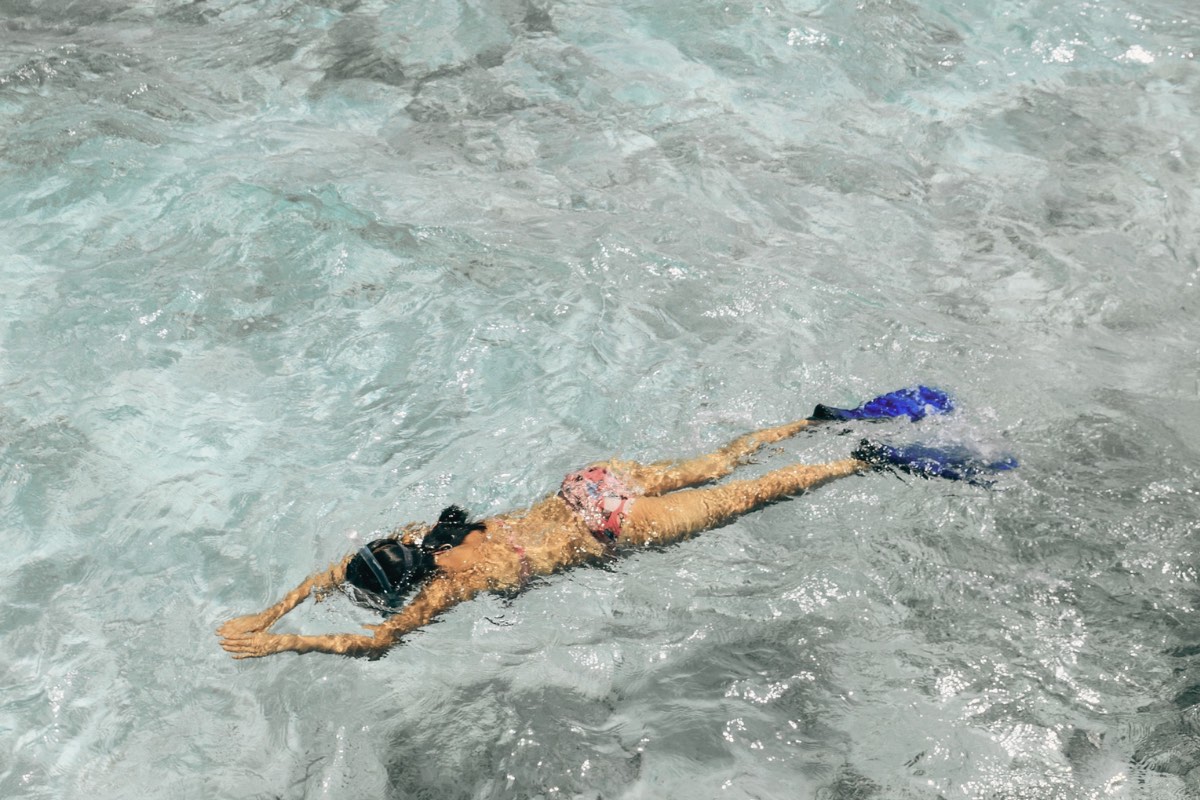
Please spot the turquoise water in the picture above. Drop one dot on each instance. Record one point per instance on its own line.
(277, 276)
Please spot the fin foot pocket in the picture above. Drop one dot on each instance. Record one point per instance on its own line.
(952, 463)
(914, 402)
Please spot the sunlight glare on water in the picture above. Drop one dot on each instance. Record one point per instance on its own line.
(279, 276)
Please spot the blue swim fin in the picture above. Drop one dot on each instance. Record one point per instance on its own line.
(952, 463)
(914, 402)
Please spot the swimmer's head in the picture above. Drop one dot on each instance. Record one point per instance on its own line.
(382, 573)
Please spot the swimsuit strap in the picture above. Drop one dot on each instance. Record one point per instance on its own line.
(520, 551)
(516, 548)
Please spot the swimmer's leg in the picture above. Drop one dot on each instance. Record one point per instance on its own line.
(661, 477)
(915, 402)
(667, 518)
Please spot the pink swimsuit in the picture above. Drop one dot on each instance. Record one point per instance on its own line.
(601, 498)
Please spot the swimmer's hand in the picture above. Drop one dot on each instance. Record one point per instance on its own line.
(257, 644)
(251, 623)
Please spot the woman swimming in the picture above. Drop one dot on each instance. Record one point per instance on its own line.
(597, 510)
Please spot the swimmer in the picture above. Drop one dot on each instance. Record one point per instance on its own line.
(597, 511)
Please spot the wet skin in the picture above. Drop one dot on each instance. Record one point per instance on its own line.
(549, 537)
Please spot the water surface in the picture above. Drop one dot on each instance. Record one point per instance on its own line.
(280, 275)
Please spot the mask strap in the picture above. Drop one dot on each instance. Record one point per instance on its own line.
(376, 568)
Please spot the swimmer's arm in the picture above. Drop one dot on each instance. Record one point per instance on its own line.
(438, 595)
(256, 623)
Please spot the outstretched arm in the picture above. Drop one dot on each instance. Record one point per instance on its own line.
(438, 595)
(255, 623)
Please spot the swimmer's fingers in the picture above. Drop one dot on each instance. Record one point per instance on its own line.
(240, 644)
(254, 645)
(251, 623)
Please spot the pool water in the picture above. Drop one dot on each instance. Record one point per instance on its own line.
(278, 276)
